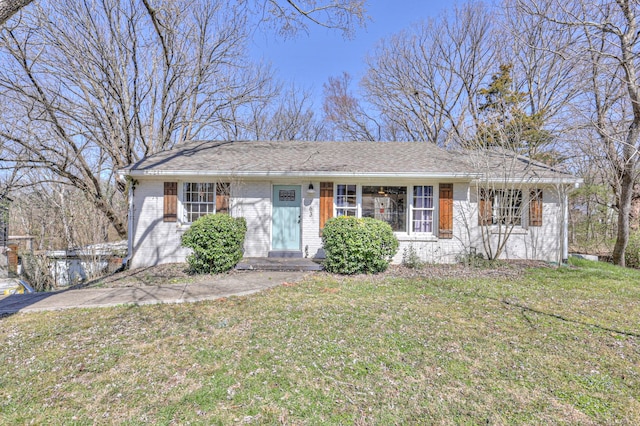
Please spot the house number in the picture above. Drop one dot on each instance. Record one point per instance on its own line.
(287, 195)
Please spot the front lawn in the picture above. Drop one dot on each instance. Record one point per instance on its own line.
(546, 346)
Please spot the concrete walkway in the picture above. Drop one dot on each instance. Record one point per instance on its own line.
(238, 284)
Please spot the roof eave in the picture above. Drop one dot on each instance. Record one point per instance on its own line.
(293, 174)
(568, 180)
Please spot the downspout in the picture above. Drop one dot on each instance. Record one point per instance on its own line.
(126, 260)
(565, 225)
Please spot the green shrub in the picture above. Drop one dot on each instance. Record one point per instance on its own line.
(474, 259)
(355, 246)
(632, 253)
(410, 258)
(216, 241)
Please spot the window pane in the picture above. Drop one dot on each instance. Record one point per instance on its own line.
(346, 196)
(198, 200)
(345, 212)
(423, 197)
(387, 203)
(507, 206)
(423, 208)
(423, 221)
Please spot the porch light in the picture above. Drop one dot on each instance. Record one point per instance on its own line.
(381, 191)
(311, 190)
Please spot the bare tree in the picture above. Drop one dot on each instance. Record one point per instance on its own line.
(345, 113)
(9, 7)
(421, 84)
(287, 115)
(89, 87)
(288, 17)
(94, 86)
(605, 45)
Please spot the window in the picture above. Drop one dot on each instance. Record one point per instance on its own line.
(202, 198)
(346, 202)
(386, 203)
(409, 209)
(500, 206)
(423, 209)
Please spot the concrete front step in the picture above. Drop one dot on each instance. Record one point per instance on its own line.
(277, 264)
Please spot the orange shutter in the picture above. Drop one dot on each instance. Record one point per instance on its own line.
(326, 203)
(485, 208)
(170, 201)
(445, 228)
(222, 197)
(535, 207)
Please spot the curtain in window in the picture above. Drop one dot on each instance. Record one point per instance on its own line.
(423, 209)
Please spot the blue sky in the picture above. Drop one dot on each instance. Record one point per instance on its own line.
(309, 60)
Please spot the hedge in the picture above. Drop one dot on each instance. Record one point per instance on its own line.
(217, 242)
(358, 245)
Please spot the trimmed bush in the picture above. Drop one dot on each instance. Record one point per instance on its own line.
(216, 241)
(356, 246)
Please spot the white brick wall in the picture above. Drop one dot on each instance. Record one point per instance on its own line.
(311, 240)
(252, 200)
(435, 250)
(526, 242)
(155, 241)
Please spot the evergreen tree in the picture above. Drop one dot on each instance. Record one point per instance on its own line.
(507, 125)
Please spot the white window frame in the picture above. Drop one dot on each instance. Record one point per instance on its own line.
(406, 207)
(409, 208)
(504, 215)
(413, 209)
(182, 209)
(356, 209)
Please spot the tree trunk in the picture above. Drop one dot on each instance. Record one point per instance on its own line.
(624, 209)
(118, 223)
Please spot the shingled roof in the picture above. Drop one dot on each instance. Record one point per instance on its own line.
(309, 159)
(293, 158)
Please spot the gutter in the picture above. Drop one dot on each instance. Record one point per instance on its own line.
(296, 174)
(336, 175)
(548, 180)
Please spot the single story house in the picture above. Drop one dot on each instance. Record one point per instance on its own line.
(442, 204)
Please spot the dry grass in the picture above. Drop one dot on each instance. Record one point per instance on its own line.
(548, 346)
(175, 273)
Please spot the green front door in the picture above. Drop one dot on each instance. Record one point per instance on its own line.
(285, 233)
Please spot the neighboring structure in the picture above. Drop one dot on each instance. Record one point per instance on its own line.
(444, 204)
(68, 267)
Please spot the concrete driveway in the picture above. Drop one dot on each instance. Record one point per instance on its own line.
(238, 284)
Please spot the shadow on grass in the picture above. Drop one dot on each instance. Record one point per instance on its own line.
(562, 318)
